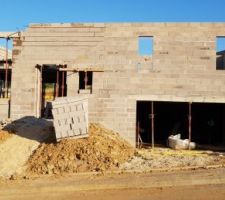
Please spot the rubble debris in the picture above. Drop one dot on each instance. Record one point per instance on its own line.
(102, 150)
(175, 142)
(165, 158)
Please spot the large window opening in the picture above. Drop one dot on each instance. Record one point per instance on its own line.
(85, 81)
(220, 53)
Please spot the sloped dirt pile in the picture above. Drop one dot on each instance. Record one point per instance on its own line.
(102, 150)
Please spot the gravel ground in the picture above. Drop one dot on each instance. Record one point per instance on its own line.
(146, 159)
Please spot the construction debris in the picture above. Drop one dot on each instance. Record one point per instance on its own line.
(165, 158)
(102, 150)
(175, 142)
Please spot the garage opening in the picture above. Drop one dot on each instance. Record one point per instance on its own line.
(208, 123)
(205, 120)
(169, 118)
(53, 85)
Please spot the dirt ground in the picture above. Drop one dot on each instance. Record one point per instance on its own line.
(188, 185)
(104, 150)
(108, 158)
(33, 151)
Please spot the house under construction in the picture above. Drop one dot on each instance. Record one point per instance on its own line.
(143, 80)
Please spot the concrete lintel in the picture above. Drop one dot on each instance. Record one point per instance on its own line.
(173, 98)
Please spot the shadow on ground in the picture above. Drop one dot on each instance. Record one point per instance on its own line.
(32, 128)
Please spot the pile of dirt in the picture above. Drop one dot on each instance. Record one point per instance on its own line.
(4, 135)
(102, 150)
(17, 148)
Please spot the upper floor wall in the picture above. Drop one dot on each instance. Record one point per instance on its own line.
(183, 60)
(176, 46)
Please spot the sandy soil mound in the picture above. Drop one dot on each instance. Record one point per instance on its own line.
(4, 135)
(102, 150)
(17, 149)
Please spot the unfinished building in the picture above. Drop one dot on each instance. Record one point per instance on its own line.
(175, 84)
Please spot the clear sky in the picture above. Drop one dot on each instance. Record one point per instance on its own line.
(17, 14)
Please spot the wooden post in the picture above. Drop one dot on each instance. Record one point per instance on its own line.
(138, 126)
(63, 82)
(6, 68)
(85, 80)
(41, 91)
(189, 126)
(57, 82)
(152, 123)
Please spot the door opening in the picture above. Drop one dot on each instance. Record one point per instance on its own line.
(53, 85)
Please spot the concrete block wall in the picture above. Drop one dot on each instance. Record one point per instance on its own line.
(70, 117)
(68, 44)
(182, 67)
(4, 109)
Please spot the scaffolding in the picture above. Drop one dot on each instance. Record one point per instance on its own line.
(7, 36)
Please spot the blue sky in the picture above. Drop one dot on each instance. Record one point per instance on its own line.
(17, 14)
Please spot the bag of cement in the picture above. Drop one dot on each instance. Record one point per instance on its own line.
(175, 142)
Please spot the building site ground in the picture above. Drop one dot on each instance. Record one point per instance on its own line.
(182, 185)
(34, 165)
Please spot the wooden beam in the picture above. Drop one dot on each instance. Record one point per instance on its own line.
(9, 34)
(82, 69)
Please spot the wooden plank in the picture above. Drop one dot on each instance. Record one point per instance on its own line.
(77, 69)
(9, 35)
